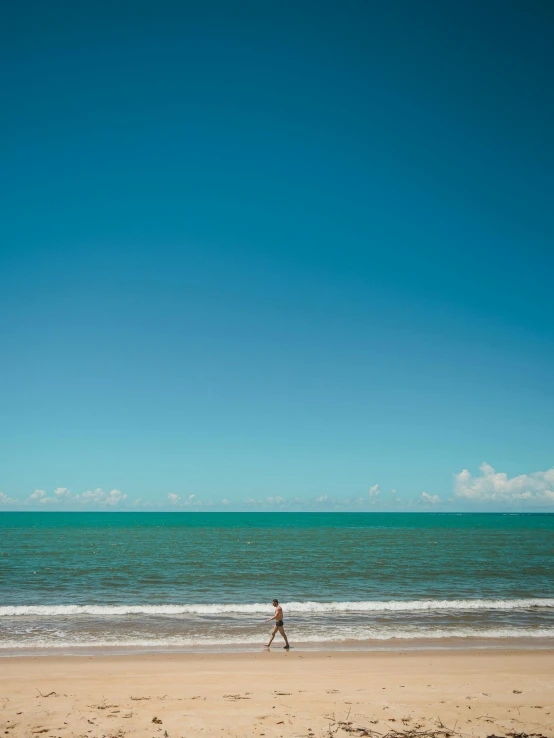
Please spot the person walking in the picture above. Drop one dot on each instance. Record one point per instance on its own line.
(278, 627)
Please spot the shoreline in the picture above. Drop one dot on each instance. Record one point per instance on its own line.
(363, 656)
(281, 695)
(393, 645)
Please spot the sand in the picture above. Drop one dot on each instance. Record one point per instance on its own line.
(278, 694)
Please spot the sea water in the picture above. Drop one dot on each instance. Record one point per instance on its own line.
(180, 581)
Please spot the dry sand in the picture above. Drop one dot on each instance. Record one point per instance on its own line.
(278, 694)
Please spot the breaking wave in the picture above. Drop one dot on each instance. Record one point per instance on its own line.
(307, 608)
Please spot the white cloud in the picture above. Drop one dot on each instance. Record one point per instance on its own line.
(174, 499)
(374, 491)
(101, 498)
(225, 501)
(115, 497)
(62, 495)
(275, 500)
(192, 497)
(40, 496)
(5, 500)
(323, 498)
(430, 499)
(92, 496)
(497, 487)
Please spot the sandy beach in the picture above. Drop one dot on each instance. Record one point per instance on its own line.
(279, 694)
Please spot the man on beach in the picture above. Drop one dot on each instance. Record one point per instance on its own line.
(278, 617)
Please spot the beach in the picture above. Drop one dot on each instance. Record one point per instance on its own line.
(154, 625)
(274, 693)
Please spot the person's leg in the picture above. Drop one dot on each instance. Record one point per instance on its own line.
(272, 636)
(282, 632)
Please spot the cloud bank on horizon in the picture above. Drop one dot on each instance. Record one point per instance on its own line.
(488, 490)
(493, 486)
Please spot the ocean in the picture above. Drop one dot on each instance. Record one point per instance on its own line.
(90, 582)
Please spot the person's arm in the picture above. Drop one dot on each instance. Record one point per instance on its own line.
(273, 618)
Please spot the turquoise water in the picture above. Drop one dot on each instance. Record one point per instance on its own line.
(185, 580)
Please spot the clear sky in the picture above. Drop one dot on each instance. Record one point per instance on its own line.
(267, 251)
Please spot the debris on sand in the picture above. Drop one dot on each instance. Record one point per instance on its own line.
(102, 707)
(235, 697)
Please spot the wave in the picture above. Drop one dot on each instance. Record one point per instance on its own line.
(352, 635)
(315, 608)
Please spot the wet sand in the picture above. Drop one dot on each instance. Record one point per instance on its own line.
(275, 693)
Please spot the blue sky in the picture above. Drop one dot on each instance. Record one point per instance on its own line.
(276, 254)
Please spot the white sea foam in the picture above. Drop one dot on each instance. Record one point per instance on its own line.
(307, 608)
(354, 635)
